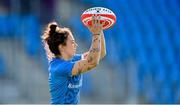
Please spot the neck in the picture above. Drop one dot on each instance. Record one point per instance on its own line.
(64, 56)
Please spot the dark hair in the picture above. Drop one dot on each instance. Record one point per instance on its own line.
(55, 36)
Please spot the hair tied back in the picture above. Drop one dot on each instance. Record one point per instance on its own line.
(53, 29)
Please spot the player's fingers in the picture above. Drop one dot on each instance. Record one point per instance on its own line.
(103, 23)
(98, 19)
(93, 20)
(89, 27)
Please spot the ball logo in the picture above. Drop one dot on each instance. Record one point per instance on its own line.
(106, 15)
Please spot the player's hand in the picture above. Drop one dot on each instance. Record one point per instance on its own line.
(96, 27)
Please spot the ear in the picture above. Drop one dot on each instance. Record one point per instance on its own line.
(61, 48)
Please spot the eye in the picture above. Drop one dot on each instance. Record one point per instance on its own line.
(73, 42)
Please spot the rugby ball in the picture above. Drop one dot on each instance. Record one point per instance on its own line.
(105, 15)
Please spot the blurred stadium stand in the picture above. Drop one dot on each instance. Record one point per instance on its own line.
(3, 67)
(143, 50)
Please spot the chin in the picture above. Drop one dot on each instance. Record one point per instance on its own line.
(72, 54)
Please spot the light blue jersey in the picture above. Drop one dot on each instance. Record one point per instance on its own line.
(64, 88)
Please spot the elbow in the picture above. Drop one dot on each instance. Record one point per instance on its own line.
(103, 55)
(95, 64)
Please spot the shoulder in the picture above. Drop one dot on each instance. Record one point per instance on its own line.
(61, 67)
(77, 57)
(54, 63)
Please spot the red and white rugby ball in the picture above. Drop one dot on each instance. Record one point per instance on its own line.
(106, 15)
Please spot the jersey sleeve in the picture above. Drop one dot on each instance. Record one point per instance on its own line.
(65, 68)
(77, 57)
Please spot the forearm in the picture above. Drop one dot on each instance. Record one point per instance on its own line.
(103, 46)
(94, 51)
(92, 58)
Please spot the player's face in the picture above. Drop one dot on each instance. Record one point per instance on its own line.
(71, 45)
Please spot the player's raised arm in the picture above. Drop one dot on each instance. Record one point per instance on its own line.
(93, 56)
(103, 48)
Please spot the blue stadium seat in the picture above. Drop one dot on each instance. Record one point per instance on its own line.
(2, 67)
(148, 31)
(112, 49)
(144, 70)
(141, 74)
(159, 73)
(87, 87)
(15, 28)
(80, 30)
(32, 34)
(43, 59)
(169, 55)
(120, 36)
(176, 34)
(177, 93)
(94, 2)
(151, 95)
(174, 74)
(167, 9)
(175, 6)
(167, 94)
(4, 30)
